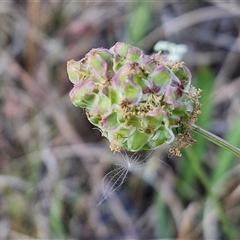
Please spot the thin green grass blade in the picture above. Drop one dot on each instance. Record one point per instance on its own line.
(57, 226)
(225, 159)
(163, 230)
(139, 21)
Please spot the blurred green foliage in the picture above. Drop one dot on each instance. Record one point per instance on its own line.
(139, 21)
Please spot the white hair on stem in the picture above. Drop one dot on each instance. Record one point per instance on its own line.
(114, 179)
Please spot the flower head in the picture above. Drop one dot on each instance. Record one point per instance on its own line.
(137, 101)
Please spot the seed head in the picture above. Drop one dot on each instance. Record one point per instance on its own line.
(137, 101)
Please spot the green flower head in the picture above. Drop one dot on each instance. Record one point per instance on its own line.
(137, 101)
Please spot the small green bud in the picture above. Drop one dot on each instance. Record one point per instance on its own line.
(120, 49)
(160, 78)
(131, 91)
(81, 92)
(72, 70)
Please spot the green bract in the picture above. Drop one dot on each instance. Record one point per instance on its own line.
(137, 101)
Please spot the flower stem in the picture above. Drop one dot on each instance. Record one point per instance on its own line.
(216, 140)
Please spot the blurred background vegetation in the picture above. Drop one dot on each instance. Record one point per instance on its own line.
(52, 161)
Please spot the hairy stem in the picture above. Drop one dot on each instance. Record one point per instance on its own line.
(216, 140)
